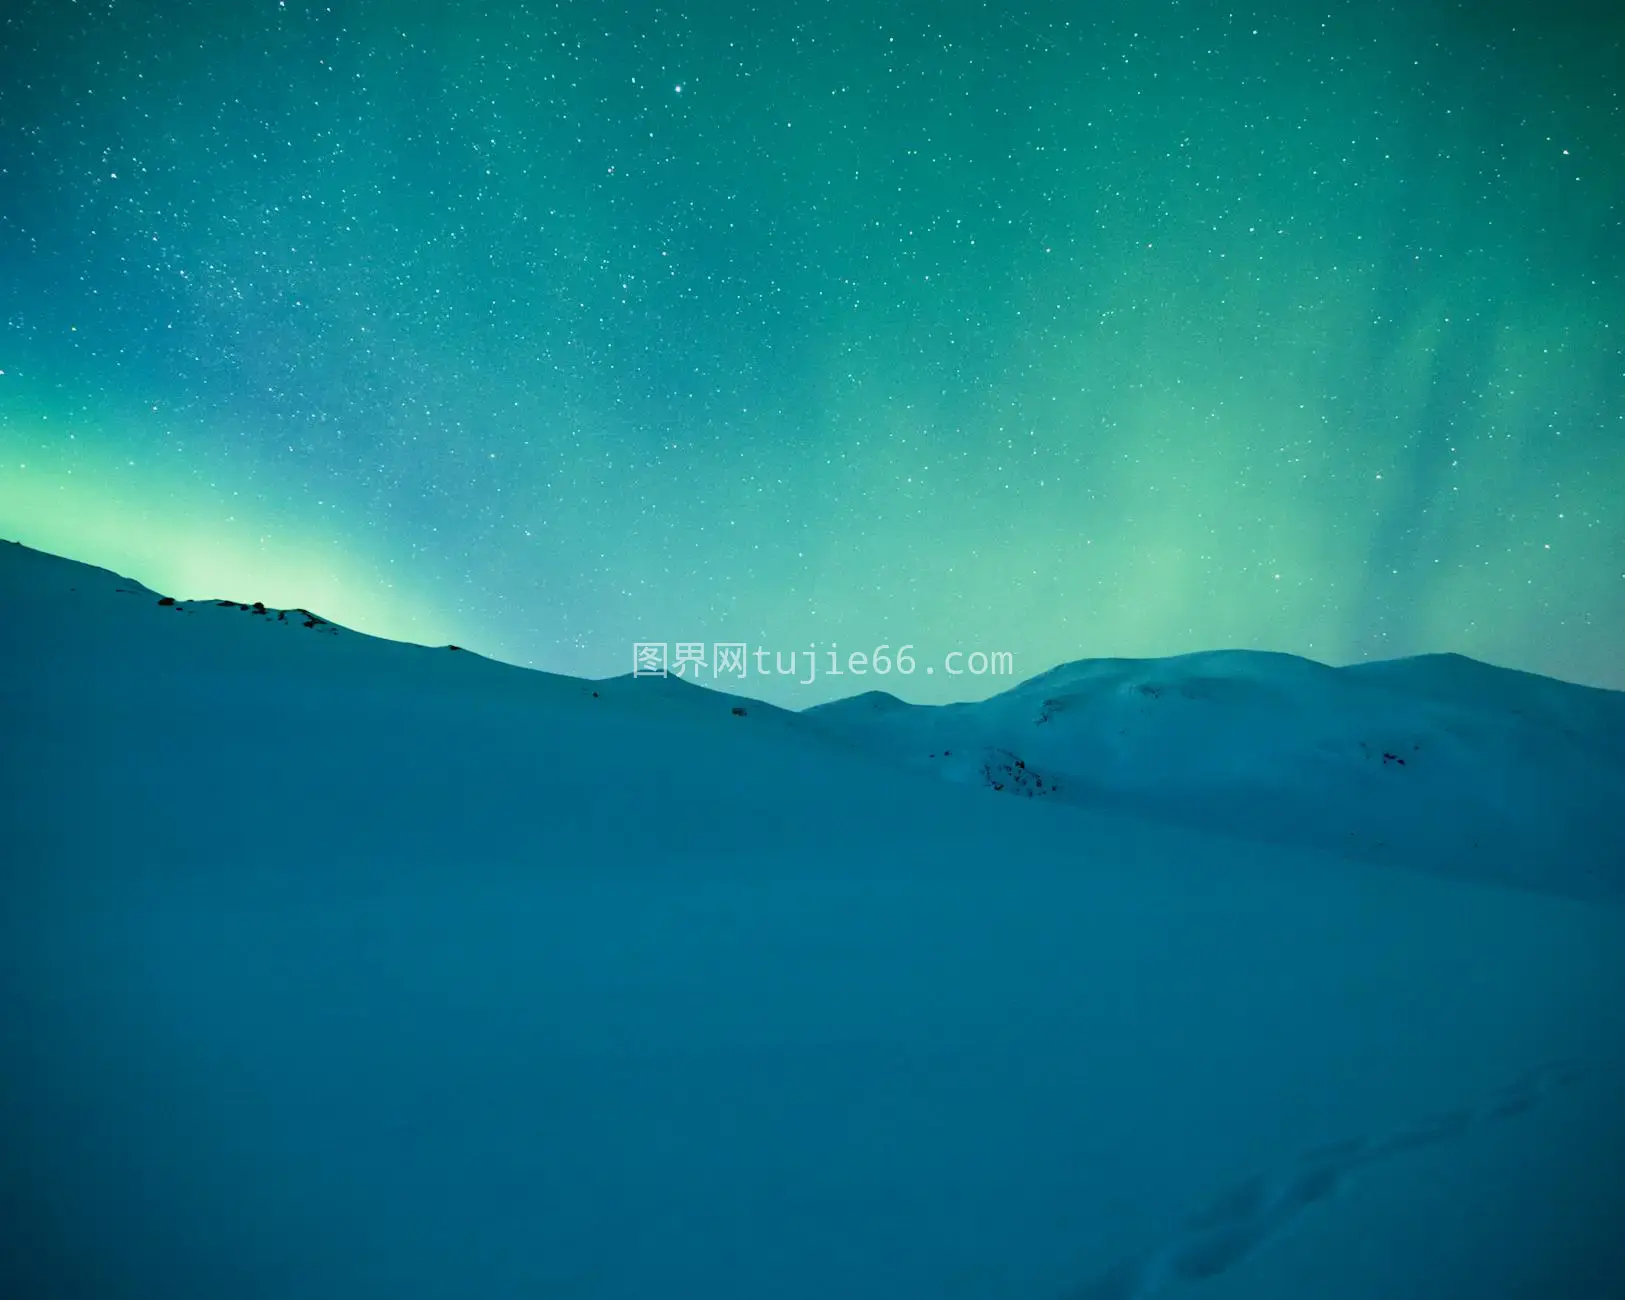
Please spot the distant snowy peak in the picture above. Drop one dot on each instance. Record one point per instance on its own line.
(1438, 762)
(1234, 665)
(1444, 678)
(869, 701)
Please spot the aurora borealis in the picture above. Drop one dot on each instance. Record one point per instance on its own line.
(1063, 330)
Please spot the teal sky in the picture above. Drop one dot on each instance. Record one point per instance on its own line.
(1062, 330)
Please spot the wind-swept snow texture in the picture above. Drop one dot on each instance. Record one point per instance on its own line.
(337, 969)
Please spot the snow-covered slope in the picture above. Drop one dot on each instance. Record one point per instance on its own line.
(1439, 763)
(336, 969)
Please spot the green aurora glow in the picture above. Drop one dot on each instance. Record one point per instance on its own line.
(546, 330)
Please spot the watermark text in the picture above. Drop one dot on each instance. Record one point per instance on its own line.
(694, 659)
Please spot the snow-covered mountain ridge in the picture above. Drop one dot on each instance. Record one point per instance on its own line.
(1438, 763)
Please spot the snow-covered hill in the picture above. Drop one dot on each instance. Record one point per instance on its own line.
(1439, 763)
(333, 968)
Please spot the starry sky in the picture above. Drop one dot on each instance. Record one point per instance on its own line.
(1056, 329)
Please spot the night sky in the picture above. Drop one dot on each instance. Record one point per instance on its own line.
(1063, 329)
